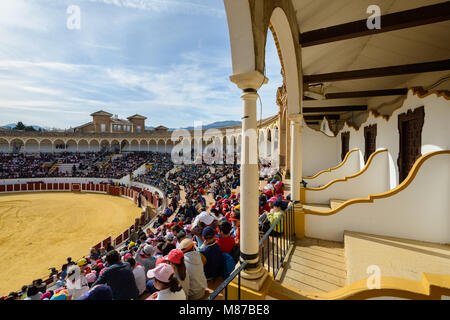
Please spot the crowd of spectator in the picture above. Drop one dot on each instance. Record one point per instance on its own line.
(188, 245)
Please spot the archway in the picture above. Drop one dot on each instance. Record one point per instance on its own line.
(115, 146)
(94, 146)
(31, 146)
(71, 146)
(59, 146)
(143, 145)
(105, 146)
(134, 146)
(83, 146)
(17, 145)
(4, 145)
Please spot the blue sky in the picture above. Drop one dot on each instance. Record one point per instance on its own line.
(166, 59)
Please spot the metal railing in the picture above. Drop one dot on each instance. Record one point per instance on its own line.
(276, 242)
(224, 285)
(274, 247)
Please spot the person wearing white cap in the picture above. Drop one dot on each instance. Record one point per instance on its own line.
(166, 282)
(204, 217)
(144, 256)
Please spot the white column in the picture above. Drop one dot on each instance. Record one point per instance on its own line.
(249, 232)
(296, 155)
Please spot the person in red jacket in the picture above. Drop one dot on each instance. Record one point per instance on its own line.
(226, 242)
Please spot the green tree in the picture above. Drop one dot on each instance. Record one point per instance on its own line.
(19, 126)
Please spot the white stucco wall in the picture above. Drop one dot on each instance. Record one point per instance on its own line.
(375, 179)
(435, 131)
(319, 151)
(351, 166)
(421, 211)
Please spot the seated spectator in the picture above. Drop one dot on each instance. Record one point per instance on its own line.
(225, 241)
(41, 286)
(180, 237)
(119, 277)
(144, 256)
(273, 216)
(211, 251)
(176, 259)
(167, 283)
(99, 292)
(194, 269)
(139, 274)
(76, 283)
(33, 293)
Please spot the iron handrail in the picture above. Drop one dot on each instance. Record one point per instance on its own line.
(224, 284)
(272, 227)
(243, 264)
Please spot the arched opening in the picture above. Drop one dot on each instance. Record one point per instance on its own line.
(282, 32)
(17, 146)
(144, 145)
(125, 145)
(31, 146)
(269, 143)
(115, 146)
(83, 146)
(152, 145)
(94, 145)
(105, 146)
(46, 146)
(262, 145)
(169, 147)
(59, 146)
(71, 146)
(134, 146)
(4, 146)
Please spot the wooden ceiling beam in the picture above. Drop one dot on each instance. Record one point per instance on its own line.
(334, 109)
(320, 117)
(389, 22)
(378, 72)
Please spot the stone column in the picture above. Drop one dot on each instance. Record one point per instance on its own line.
(295, 121)
(249, 232)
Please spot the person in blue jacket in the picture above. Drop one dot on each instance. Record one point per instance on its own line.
(211, 251)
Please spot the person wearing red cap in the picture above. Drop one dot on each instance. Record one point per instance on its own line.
(176, 259)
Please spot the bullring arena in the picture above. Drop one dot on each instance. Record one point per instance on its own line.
(340, 189)
(50, 225)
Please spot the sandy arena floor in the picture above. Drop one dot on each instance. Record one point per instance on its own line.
(40, 230)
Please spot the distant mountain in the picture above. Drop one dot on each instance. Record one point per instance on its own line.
(13, 125)
(217, 124)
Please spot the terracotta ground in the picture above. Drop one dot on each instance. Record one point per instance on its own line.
(40, 230)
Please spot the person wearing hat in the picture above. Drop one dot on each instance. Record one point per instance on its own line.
(211, 251)
(194, 270)
(83, 264)
(166, 282)
(176, 259)
(144, 256)
(76, 283)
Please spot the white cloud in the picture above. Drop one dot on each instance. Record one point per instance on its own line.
(159, 6)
